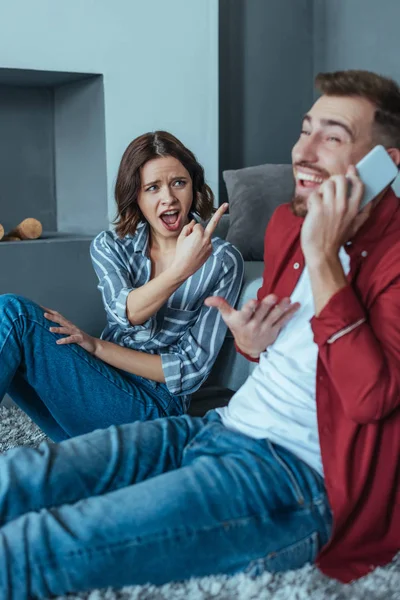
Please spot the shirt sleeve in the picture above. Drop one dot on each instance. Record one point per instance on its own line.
(115, 281)
(190, 361)
(360, 350)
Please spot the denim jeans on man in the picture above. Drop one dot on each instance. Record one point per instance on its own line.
(154, 502)
(64, 389)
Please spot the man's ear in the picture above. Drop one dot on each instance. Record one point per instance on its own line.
(394, 154)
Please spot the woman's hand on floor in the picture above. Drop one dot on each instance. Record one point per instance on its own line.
(73, 333)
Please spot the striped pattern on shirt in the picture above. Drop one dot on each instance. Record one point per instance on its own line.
(184, 332)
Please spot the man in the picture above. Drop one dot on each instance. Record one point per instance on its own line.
(303, 465)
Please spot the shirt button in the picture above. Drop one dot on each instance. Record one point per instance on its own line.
(296, 266)
(364, 253)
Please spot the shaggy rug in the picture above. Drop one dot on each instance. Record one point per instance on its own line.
(303, 584)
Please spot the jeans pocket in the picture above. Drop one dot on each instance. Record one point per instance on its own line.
(291, 476)
(294, 556)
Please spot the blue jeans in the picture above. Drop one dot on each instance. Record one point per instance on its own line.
(64, 389)
(154, 502)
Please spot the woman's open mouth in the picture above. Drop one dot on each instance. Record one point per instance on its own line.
(171, 220)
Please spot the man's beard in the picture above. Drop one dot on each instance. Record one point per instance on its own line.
(298, 206)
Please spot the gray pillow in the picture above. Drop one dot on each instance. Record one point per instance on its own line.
(253, 194)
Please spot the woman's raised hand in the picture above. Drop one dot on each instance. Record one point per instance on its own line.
(193, 246)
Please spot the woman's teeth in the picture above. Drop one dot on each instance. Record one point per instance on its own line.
(170, 217)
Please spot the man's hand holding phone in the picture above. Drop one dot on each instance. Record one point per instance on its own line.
(332, 211)
(257, 324)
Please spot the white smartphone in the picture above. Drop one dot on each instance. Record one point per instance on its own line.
(376, 170)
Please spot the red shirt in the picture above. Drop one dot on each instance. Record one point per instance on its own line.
(357, 385)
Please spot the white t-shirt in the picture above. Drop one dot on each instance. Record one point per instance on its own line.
(277, 401)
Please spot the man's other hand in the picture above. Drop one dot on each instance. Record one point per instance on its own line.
(257, 324)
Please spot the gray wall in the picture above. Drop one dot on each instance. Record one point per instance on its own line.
(80, 156)
(26, 156)
(357, 34)
(159, 60)
(266, 68)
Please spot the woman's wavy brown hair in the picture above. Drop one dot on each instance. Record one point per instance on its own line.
(144, 148)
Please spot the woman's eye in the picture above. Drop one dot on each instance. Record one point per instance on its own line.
(304, 132)
(151, 188)
(333, 138)
(179, 183)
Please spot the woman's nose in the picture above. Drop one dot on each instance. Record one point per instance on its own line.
(167, 196)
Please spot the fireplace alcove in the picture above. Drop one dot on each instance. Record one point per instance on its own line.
(53, 168)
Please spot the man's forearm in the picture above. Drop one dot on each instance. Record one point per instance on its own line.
(132, 361)
(145, 301)
(327, 278)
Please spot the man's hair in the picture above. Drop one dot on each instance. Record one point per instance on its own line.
(382, 91)
(144, 148)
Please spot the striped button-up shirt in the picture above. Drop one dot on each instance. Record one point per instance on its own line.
(184, 332)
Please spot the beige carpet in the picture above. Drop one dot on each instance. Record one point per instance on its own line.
(303, 584)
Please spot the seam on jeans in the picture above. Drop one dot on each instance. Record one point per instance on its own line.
(7, 336)
(179, 408)
(282, 462)
(143, 540)
(313, 539)
(83, 358)
(214, 426)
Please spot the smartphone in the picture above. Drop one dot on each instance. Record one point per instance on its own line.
(376, 170)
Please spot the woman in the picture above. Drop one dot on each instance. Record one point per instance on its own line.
(154, 273)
